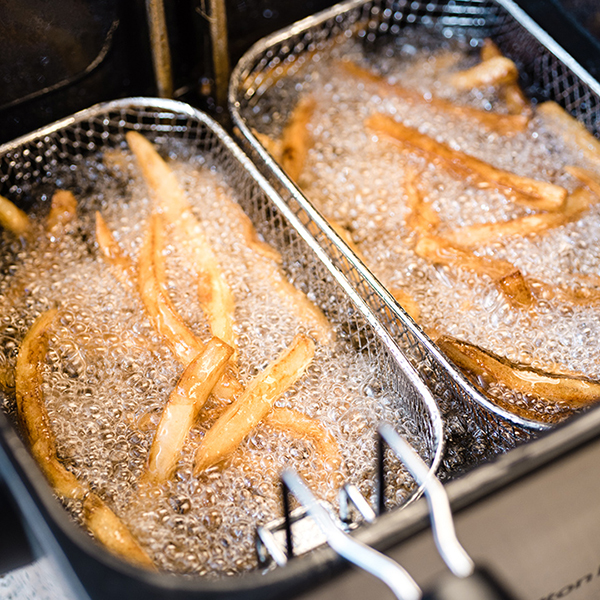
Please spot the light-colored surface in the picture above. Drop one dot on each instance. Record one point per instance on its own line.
(37, 581)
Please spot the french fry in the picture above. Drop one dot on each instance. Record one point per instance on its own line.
(421, 218)
(306, 311)
(524, 191)
(295, 138)
(63, 211)
(13, 218)
(182, 409)
(123, 267)
(109, 530)
(241, 417)
(516, 101)
(588, 178)
(475, 235)
(495, 71)
(407, 302)
(272, 146)
(251, 239)
(505, 276)
(301, 425)
(214, 293)
(571, 389)
(503, 124)
(32, 408)
(570, 130)
(165, 319)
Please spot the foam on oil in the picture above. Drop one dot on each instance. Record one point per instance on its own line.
(357, 178)
(108, 374)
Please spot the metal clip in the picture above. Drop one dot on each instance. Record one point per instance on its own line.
(365, 557)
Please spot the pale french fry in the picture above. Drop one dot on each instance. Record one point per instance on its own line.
(570, 130)
(214, 293)
(123, 267)
(496, 71)
(524, 191)
(241, 417)
(421, 218)
(13, 218)
(306, 311)
(182, 408)
(475, 235)
(248, 231)
(295, 138)
(504, 275)
(164, 317)
(63, 211)
(301, 425)
(109, 530)
(573, 389)
(502, 124)
(32, 408)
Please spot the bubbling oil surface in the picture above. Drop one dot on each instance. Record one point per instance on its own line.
(108, 375)
(357, 178)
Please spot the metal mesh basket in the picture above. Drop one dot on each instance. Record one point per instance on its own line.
(30, 166)
(476, 426)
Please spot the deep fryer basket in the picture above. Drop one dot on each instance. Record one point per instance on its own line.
(546, 71)
(30, 165)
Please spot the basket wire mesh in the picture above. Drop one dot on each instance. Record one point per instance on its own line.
(30, 166)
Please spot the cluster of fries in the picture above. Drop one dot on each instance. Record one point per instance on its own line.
(548, 205)
(209, 368)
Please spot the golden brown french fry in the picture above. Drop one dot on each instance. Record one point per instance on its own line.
(421, 218)
(112, 532)
(504, 275)
(63, 211)
(407, 302)
(182, 409)
(214, 293)
(241, 417)
(496, 71)
(123, 267)
(13, 218)
(524, 191)
(301, 425)
(32, 408)
(588, 178)
(574, 389)
(272, 146)
(570, 130)
(502, 124)
(516, 101)
(295, 138)
(489, 50)
(475, 235)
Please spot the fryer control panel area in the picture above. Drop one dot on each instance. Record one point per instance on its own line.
(539, 536)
